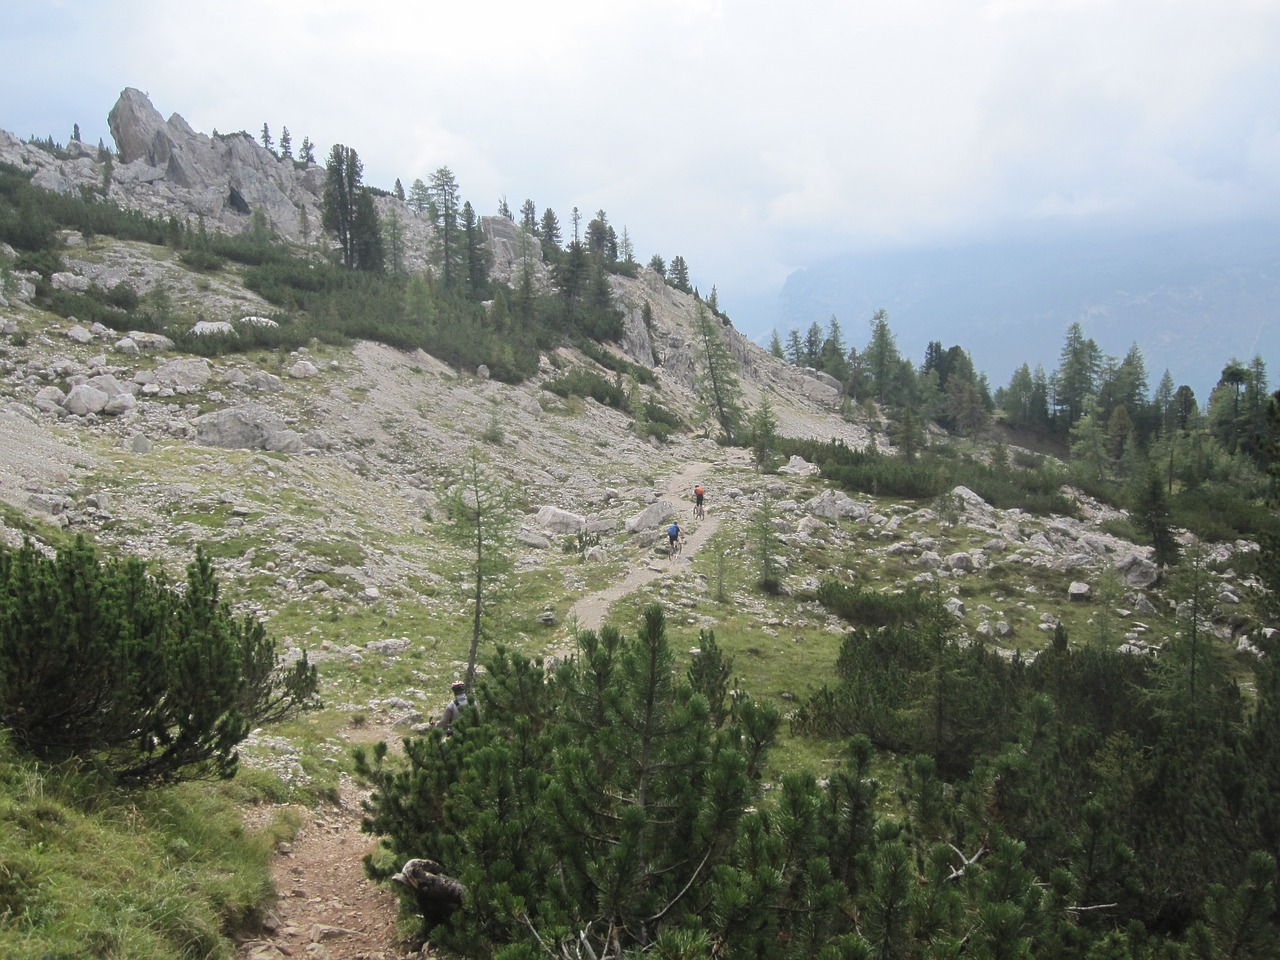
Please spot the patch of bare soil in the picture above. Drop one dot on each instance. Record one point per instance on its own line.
(327, 908)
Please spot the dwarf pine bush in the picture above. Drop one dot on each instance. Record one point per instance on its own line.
(108, 663)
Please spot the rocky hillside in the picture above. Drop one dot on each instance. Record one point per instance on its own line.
(315, 478)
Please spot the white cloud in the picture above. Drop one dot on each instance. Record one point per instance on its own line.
(745, 135)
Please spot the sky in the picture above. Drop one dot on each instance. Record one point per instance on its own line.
(750, 138)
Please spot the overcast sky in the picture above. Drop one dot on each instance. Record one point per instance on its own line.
(749, 137)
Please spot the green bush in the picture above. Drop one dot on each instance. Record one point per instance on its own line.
(107, 663)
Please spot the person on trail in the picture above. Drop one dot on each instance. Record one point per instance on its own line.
(698, 510)
(454, 710)
(674, 536)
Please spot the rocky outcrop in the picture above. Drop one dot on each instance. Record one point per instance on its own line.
(247, 427)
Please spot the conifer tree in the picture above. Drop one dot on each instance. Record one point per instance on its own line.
(679, 275)
(419, 196)
(529, 217)
(445, 203)
(104, 662)
(475, 255)
(286, 144)
(775, 345)
(716, 377)
(367, 250)
(549, 234)
(481, 517)
(764, 436)
(342, 187)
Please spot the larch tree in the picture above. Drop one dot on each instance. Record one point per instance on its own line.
(481, 518)
(716, 376)
(419, 196)
(444, 200)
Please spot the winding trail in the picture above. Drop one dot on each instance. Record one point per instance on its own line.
(592, 609)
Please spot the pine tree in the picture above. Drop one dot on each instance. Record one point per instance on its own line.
(286, 144)
(338, 205)
(1151, 514)
(267, 142)
(795, 348)
(529, 217)
(882, 360)
(475, 255)
(1076, 377)
(368, 252)
(679, 276)
(549, 234)
(105, 662)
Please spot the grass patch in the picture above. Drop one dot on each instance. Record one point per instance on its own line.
(184, 874)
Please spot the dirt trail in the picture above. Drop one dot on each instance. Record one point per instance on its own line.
(328, 909)
(592, 609)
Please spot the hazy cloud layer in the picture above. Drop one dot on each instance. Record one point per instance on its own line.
(748, 137)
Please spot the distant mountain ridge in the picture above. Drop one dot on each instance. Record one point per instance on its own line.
(1191, 298)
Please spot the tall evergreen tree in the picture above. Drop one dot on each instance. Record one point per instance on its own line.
(367, 249)
(449, 246)
(775, 345)
(475, 255)
(679, 275)
(549, 234)
(286, 144)
(529, 217)
(883, 362)
(419, 196)
(1076, 377)
(343, 175)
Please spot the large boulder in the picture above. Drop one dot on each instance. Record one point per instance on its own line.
(652, 517)
(83, 399)
(246, 427)
(556, 520)
(185, 374)
(836, 505)
(1138, 571)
